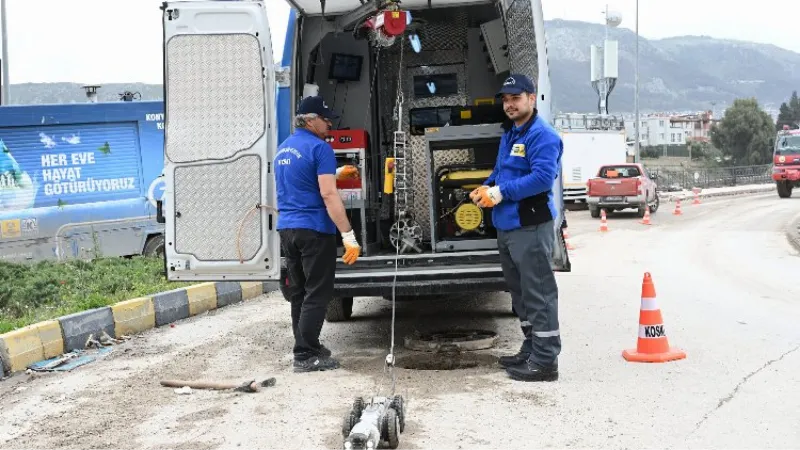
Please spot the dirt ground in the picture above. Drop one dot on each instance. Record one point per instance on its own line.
(723, 272)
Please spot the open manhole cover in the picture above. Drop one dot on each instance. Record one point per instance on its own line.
(452, 341)
(445, 361)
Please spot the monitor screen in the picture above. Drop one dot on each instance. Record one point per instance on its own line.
(439, 85)
(345, 67)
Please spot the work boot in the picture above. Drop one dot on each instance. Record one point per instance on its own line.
(513, 360)
(532, 372)
(316, 364)
(324, 352)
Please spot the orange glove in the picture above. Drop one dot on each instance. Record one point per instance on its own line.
(488, 198)
(475, 195)
(346, 172)
(351, 248)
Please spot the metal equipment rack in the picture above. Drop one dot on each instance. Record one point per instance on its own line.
(448, 138)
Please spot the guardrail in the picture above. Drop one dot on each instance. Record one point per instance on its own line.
(677, 178)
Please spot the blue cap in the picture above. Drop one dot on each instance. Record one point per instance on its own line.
(517, 84)
(316, 105)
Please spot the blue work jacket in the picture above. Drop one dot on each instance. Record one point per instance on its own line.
(528, 162)
(300, 159)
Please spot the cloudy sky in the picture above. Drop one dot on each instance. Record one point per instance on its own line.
(105, 41)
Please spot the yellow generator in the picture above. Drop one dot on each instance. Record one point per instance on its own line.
(457, 218)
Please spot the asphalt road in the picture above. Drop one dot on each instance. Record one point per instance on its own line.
(726, 280)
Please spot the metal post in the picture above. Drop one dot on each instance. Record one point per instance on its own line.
(636, 94)
(3, 23)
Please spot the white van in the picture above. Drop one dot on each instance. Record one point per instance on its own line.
(431, 65)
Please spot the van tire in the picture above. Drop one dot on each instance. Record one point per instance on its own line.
(595, 212)
(154, 247)
(339, 309)
(784, 189)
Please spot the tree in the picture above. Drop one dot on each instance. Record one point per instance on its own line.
(699, 149)
(794, 107)
(789, 113)
(746, 133)
(785, 117)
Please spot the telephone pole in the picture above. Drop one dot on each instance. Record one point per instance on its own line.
(636, 93)
(4, 23)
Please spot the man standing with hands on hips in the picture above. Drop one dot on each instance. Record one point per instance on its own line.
(309, 213)
(520, 192)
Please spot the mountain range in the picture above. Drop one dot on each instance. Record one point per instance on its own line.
(686, 73)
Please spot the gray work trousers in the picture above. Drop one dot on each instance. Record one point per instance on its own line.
(525, 256)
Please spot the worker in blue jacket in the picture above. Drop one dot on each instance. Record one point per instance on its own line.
(520, 192)
(310, 212)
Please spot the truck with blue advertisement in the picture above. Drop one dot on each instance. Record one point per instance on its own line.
(413, 84)
(80, 180)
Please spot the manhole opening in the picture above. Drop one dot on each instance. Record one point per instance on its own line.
(445, 361)
(452, 341)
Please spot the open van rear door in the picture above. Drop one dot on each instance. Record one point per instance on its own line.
(522, 16)
(219, 142)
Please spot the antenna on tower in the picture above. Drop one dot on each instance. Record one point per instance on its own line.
(605, 63)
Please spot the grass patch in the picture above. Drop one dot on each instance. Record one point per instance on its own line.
(30, 293)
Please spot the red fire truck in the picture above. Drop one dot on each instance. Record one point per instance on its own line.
(786, 161)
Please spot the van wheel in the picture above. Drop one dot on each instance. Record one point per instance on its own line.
(595, 212)
(784, 189)
(154, 247)
(339, 309)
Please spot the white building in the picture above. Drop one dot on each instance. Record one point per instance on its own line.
(663, 129)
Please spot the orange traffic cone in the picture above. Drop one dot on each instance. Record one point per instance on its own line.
(646, 219)
(652, 345)
(566, 240)
(677, 211)
(696, 192)
(603, 221)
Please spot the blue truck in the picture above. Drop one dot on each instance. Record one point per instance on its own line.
(81, 180)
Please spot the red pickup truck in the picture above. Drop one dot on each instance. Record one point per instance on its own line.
(622, 186)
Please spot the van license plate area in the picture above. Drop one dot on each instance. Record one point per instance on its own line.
(613, 199)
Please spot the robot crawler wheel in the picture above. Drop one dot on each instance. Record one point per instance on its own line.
(398, 405)
(350, 420)
(358, 406)
(389, 428)
(352, 417)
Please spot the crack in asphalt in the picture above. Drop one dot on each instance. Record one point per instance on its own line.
(730, 396)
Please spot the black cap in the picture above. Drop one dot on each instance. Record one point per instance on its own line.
(316, 105)
(517, 84)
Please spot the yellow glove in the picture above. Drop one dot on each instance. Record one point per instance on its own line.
(351, 248)
(346, 172)
(475, 195)
(490, 197)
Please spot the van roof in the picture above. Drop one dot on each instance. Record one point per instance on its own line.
(312, 7)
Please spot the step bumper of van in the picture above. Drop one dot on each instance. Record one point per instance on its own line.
(414, 282)
(421, 274)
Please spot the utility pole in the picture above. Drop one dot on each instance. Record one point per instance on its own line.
(636, 94)
(4, 23)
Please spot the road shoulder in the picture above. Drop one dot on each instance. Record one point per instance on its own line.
(793, 232)
(23, 347)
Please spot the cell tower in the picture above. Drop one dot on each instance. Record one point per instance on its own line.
(605, 63)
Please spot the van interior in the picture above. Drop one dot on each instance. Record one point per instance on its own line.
(436, 83)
